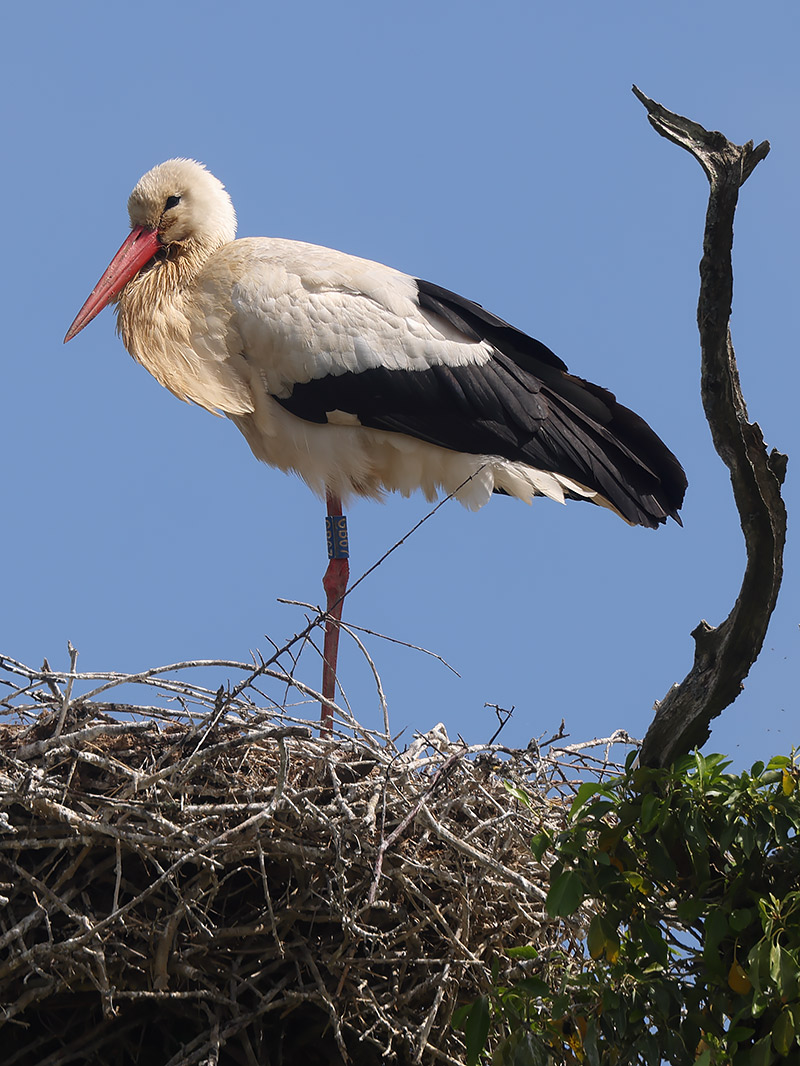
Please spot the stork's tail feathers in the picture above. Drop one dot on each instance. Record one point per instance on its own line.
(624, 460)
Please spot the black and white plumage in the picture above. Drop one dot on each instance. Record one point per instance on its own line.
(571, 439)
(358, 377)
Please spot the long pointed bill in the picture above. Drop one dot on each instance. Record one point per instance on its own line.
(137, 250)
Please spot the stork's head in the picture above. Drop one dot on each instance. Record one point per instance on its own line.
(184, 204)
(179, 213)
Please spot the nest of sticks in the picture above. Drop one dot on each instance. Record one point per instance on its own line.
(205, 879)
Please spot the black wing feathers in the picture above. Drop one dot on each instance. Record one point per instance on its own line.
(477, 323)
(522, 405)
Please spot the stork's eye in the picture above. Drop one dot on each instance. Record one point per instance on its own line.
(172, 201)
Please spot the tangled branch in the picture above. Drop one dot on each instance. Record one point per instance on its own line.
(201, 879)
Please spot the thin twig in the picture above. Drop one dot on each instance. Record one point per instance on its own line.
(73, 659)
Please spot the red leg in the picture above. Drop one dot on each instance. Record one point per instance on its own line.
(335, 585)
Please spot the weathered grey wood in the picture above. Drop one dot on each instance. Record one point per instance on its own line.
(725, 654)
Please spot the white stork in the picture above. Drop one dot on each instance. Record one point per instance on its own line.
(362, 379)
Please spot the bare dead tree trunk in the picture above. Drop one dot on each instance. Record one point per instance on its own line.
(723, 655)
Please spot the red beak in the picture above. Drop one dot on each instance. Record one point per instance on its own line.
(137, 250)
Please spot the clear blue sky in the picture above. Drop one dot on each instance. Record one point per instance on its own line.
(494, 149)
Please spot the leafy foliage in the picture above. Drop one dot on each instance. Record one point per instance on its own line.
(689, 878)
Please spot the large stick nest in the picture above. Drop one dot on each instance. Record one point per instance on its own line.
(218, 884)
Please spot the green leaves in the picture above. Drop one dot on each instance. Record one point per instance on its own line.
(526, 951)
(585, 792)
(779, 762)
(540, 843)
(603, 938)
(687, 882)
(475, 1021)
(518, 793)
(565, 895)
(783, 1032)
(523, 1048)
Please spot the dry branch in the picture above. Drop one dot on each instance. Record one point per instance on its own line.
(725, 654)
